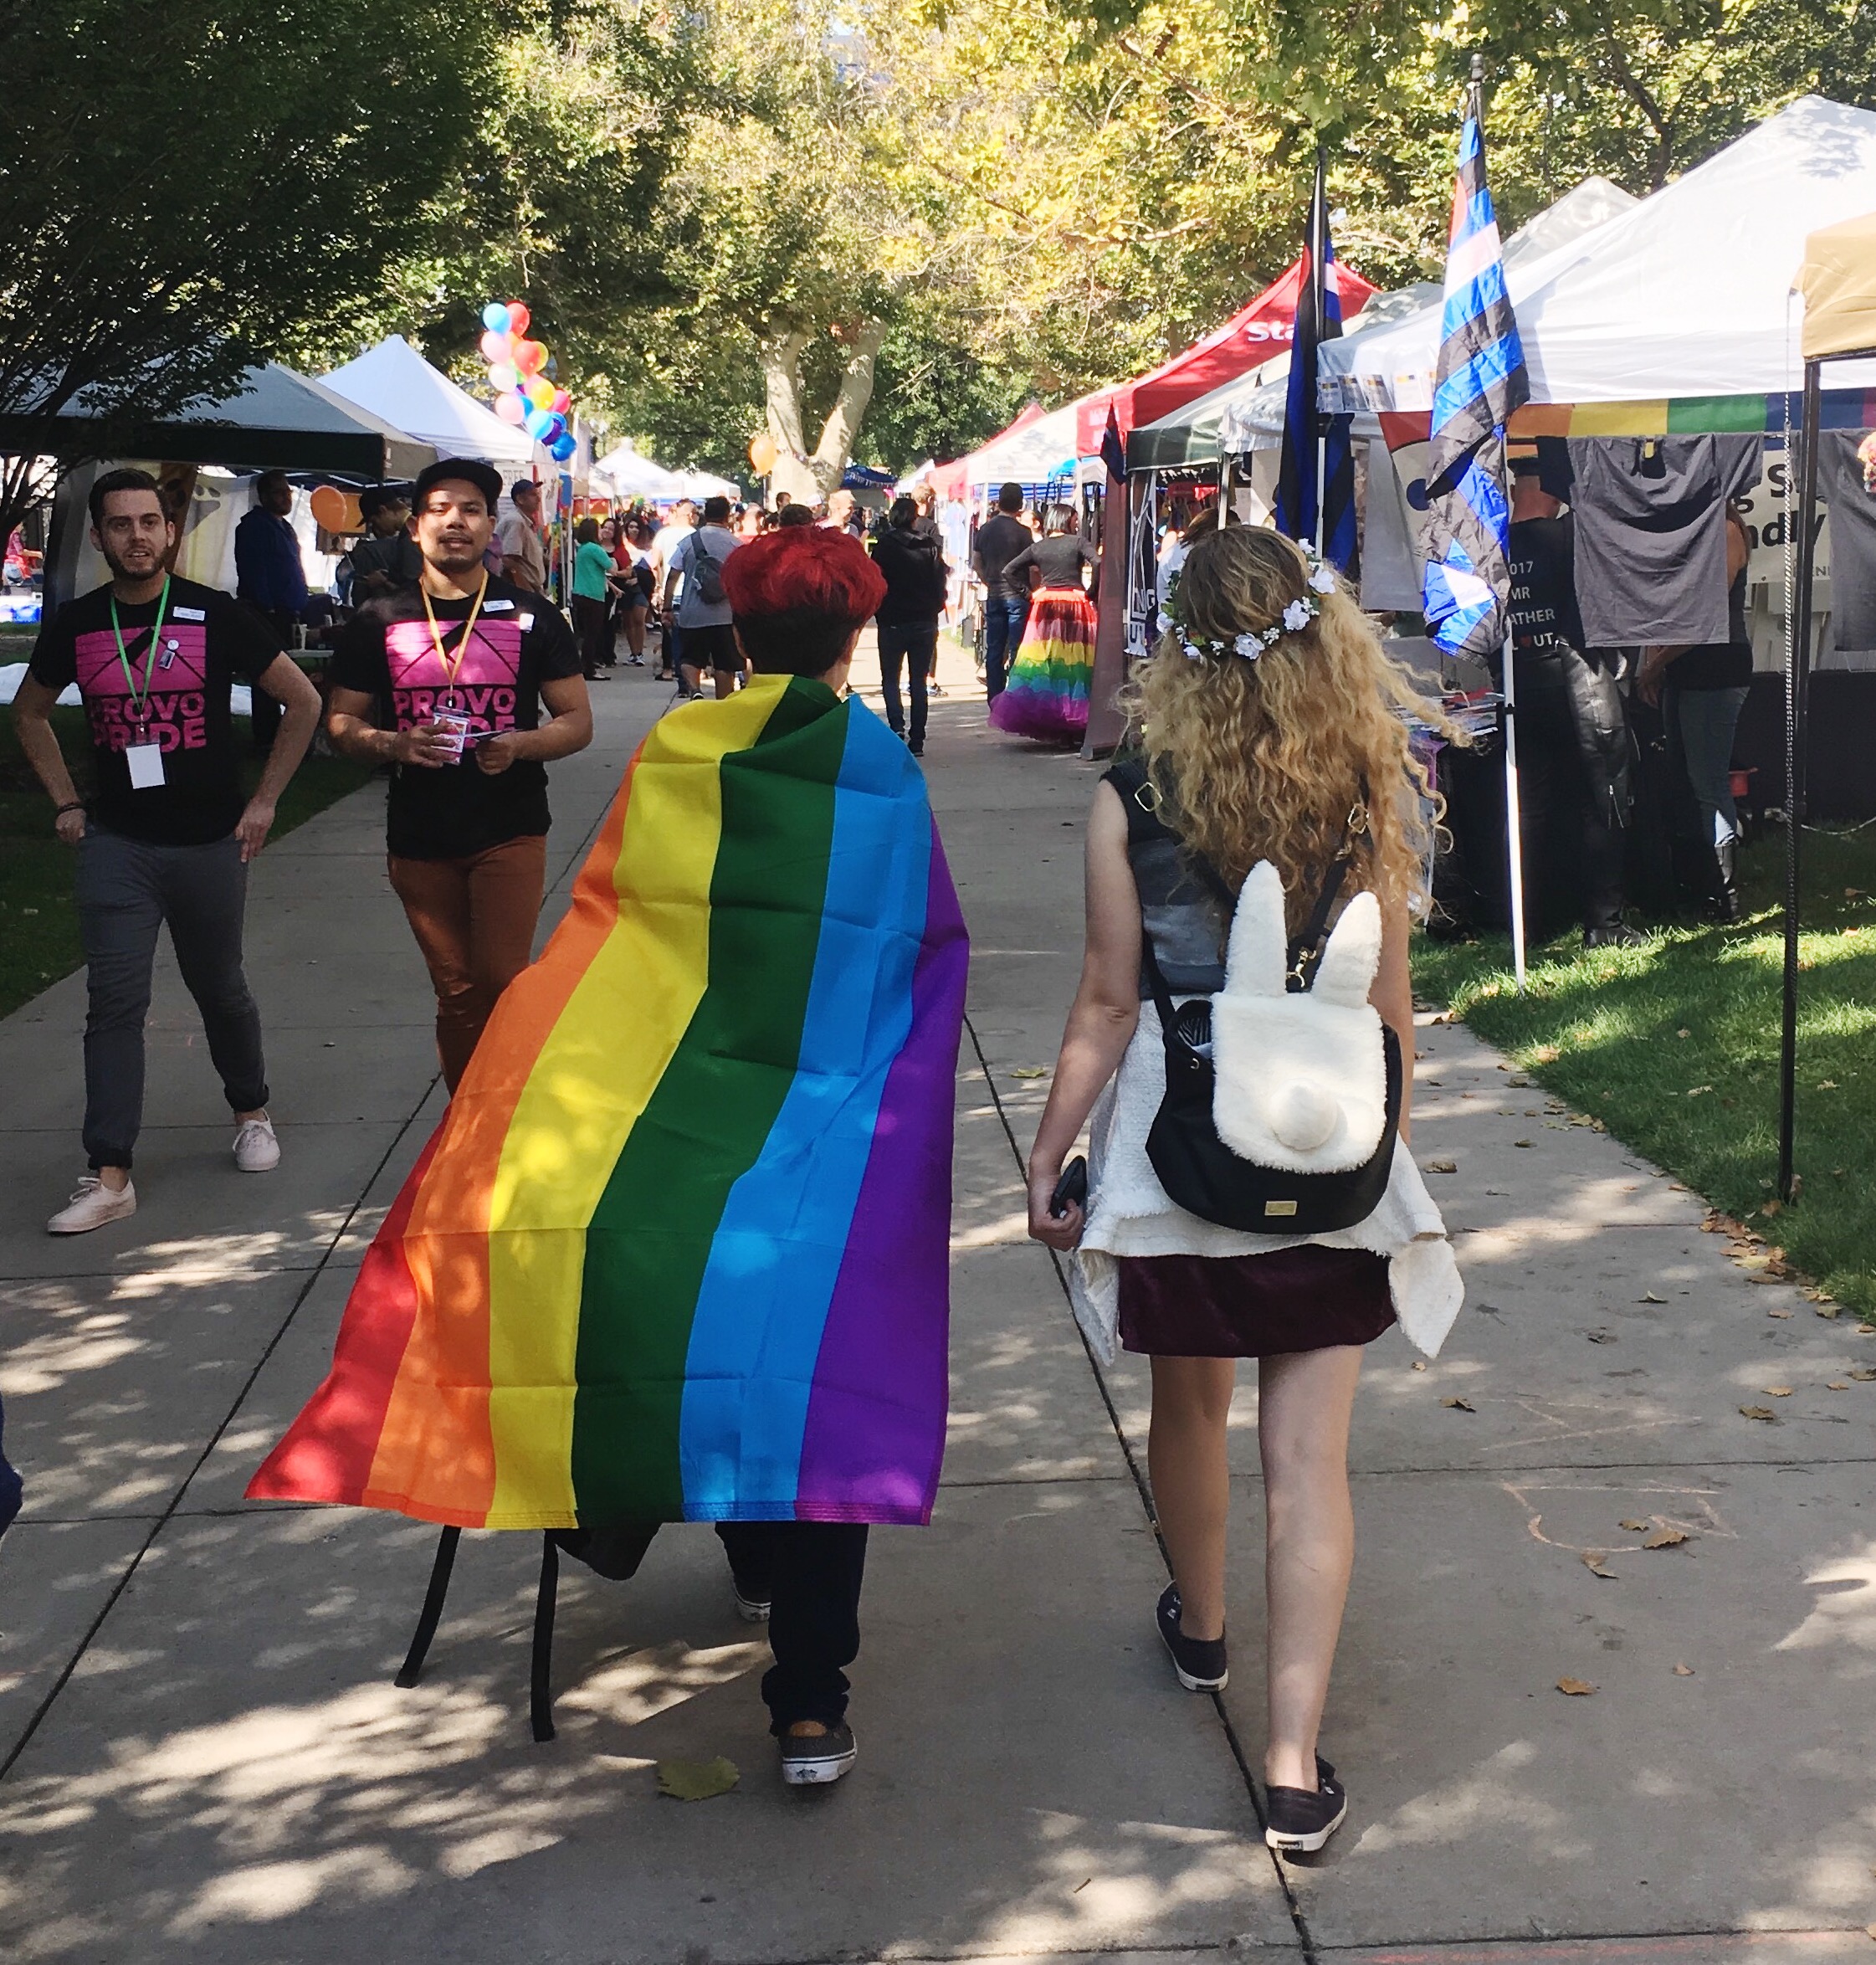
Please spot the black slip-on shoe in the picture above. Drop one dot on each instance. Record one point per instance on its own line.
(753, 1602)
(1301, 1822)
(1201, 1667)
(816, 1762)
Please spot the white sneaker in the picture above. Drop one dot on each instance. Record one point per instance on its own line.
(256, 1150)
(91, 1206)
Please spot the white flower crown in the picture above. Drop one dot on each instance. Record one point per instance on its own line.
(1250, 645)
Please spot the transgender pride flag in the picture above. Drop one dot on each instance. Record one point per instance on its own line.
(1479, 380)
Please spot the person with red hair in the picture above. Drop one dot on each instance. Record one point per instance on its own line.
(799, 597)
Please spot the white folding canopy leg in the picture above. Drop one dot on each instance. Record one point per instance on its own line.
(1513, 831)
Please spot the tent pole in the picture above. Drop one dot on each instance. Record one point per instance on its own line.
(1513, 823)
(1797, 674)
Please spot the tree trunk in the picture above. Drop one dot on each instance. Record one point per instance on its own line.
(836, 448)
(782, 389)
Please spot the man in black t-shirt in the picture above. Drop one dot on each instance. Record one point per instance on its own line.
(167, 835)
(1573, 739)
(459, 666)
(1005, 608)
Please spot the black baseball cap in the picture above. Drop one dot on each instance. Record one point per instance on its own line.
(466, 470)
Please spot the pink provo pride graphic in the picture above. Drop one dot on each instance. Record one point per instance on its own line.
(176, 707)
(485, 686)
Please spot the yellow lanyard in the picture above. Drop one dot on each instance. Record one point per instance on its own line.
(140, 714)
(452, 669)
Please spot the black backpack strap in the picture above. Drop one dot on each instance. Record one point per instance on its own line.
(1306, 952)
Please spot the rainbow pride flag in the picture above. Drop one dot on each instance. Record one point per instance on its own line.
(679, 1249)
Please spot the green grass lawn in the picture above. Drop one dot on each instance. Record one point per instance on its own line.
(39, 927)
(1675, 1047)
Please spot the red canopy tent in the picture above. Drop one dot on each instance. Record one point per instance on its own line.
(948, 480)
(1256, 332)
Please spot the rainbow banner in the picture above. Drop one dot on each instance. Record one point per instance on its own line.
(679, 1249)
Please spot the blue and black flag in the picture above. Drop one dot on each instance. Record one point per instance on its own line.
(1319, 318)
(1479, 380)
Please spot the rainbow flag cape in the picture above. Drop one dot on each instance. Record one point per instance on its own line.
(679, 1249)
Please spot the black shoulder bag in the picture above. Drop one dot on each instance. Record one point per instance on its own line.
(1198, 1171)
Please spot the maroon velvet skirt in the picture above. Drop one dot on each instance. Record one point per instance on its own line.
(1302, 1298)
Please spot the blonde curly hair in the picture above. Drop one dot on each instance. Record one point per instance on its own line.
(1266, 760)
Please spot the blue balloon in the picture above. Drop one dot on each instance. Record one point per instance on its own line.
(538, 422)
(556, 428)
(563, 447)
(494, 317)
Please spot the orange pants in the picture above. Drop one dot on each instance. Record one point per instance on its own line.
(474, 918)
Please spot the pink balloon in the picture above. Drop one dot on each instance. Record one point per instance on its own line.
(495, 348)
(519, 317)
(562, 402)
(505, 376)
(511, 409)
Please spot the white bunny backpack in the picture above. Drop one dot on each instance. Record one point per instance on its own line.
(1282, 1105)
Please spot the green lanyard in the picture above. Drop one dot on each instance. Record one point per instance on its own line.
(139, 715)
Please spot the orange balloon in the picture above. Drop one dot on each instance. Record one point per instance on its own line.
(334, 510)
(762, 453)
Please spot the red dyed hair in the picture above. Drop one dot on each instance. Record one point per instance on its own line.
(803, 570)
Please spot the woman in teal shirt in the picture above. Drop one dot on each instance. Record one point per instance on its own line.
(592, 568)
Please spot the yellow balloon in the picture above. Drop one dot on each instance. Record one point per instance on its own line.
(539, 391)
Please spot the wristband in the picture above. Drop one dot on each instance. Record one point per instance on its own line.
(76, 805)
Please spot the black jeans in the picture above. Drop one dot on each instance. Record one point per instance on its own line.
(912, 646)
(811, 1571)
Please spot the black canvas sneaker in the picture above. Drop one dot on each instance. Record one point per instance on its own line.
(1301, 1822)
(818, 1760)
(1201, 1667)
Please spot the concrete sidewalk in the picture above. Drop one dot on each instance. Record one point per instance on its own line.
(216, 1766)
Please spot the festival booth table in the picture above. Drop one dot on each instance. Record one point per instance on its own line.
(1675, 318)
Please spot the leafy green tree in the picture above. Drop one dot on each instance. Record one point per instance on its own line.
(184, 183)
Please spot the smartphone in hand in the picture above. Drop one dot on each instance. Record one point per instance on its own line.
(1071, 1191)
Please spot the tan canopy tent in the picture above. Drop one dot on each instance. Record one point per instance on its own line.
(1838, 282)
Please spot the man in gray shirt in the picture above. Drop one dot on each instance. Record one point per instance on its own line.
(703, 616)
(999, 541)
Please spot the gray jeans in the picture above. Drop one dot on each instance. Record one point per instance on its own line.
(126, 890)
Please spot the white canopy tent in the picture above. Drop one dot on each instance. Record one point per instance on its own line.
(394, 382)
(634, 475)
(1032, 455)
(1685, 295)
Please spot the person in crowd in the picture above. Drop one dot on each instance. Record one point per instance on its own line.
(733, 1328)
(915, 574)
(751, 521)
(1574, 747)
(999, 541)
(665, 542)
(794, 514)
(1265, 729)
(924, 500)
(592, 600)
(167, 836)
(270, 577)
(1707, 686)
(386, 557)
(633, 588)
(463, 662)
(524, 553)
(1046, 694)
(693, 586)
(843, 513)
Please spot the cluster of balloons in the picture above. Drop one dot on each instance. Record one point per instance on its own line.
(525, 395)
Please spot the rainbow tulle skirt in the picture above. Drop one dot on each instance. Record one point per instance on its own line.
(1046, 697)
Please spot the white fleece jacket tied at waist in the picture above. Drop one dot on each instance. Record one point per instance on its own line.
(1130, 1213)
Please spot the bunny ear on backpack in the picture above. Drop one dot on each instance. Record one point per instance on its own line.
(1259, 950)
(1346, 972)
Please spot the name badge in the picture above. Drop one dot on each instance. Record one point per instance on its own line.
(525, 622)
(498, 607)
(187, 615)
(145, 762)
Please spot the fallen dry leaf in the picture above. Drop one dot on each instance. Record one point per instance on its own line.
(1836, 1384)
(1592, 1561)
(1576, 1688)
(1443, 1166)
(1665, 1538)
(697, 1780)
(1459, 1405)
(1823, 1084)
(1677, 1033)
(1030, 1071)
(1420, 1364)
(1863, 1373)
(1757, 1412)
(1778, 1313)
(1830, 1310)
(1649, 1297)
(1776, 1391)
(1630, 1523)
(1684, 1671)
(1524, 1142)
(1693, 1091)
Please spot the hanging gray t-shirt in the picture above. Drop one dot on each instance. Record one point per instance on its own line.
(1853, 547)
(1650, 534)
